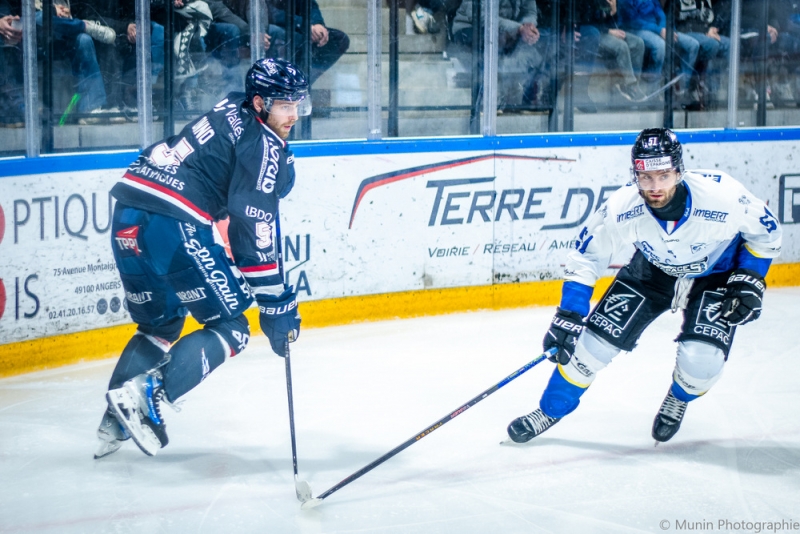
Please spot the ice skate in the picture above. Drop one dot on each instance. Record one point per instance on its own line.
(111, 435)
(525, 428)
(137, 407)
(669, 417)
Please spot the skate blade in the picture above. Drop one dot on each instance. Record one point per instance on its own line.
(106, 448)
(313, 503)
(303, 491)
(511, 443)
(114, 399)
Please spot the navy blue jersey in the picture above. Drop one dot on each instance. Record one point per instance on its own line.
(227, 163)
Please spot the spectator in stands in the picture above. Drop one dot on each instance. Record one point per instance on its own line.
(12, 110)
(752, 51)
(697, 20)
(117, 20)
(646, 19)
(74, 32)
(520, 46)
(74, 41)
(328, 44)
(624, 49)
(788, 69)
(125, 26)
(192, 21)
(420, 14)
(226, 34)
(240, 11)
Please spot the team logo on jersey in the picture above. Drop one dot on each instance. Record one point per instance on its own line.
(257, 213)
(698, 246)
(617, 309)
(648, 251)
(653, 164)
(697, 267)
(128, 241)
(711, 215)
(636, 211)
(268, 174)
(709, 321)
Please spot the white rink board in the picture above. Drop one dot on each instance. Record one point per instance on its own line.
(418, 221)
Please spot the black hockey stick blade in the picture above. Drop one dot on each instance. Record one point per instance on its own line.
(313, 503)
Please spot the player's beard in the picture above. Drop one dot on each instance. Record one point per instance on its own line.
(279, 127)
(662, 197)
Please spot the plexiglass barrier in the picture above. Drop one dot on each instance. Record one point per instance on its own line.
(120, 74)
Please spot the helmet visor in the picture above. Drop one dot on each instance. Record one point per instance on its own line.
(286, 108)
(656, 180)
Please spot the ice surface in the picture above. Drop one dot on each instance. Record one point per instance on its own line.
(361, 390)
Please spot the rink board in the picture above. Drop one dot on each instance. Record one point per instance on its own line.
(366, 236)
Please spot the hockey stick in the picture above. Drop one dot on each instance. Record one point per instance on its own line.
(452, 415)
(301, 487)
(661, 89)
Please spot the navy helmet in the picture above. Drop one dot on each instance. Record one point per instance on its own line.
(657, 149)
(277, 79)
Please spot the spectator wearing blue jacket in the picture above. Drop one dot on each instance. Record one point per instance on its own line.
(646, 19)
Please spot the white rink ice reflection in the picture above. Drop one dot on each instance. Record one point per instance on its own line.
(363, 389)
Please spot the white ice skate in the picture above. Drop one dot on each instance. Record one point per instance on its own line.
(111, 435)
(136, 406)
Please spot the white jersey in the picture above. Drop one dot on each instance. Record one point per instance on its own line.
(723, 227)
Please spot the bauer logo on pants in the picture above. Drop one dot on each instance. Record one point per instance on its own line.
(620, 305)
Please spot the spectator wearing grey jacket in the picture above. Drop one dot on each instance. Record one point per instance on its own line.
(521, 47)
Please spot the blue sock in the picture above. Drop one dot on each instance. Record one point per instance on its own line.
(681, 393)
(560, 397)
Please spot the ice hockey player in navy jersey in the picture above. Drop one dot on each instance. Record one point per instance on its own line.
(232, 162)
(703, 244)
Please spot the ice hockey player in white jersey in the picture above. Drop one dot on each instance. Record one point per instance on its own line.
(703, 245)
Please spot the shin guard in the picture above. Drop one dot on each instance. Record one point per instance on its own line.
(141, 354)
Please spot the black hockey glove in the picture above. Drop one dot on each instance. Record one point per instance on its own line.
(743, 296)
(279, 319)
(563, 334)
